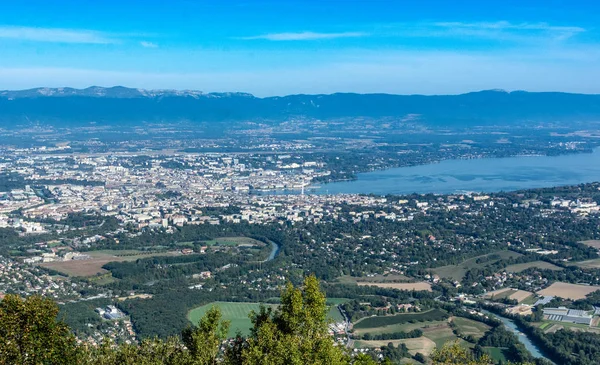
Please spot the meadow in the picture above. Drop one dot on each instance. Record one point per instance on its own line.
(536, 264)
(385, 321)
(457, 272)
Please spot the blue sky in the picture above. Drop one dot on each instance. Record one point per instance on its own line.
(282, 47)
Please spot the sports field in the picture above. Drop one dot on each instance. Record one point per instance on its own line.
(237, 313)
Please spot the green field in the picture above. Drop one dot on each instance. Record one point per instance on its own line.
(390, 278)
(385, 321)
(470, 327)
(457, 272)
(403, 327)
(237, 314)
(496, 353)
(233, 241)
(536, 264)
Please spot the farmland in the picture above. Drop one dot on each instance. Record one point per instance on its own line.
(568, 291)
(422, 344)
(98, 259)
(470, 327)
(535, 264)
(384, 321)
(592, 243)
(391, 278)
(401, 286)
(404, 327)
(518, 295)
(457, 272)
(233, 241)
(588, 264)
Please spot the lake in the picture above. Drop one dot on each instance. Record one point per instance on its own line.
(477, 175)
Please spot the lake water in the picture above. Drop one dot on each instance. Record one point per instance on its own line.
(477, 175)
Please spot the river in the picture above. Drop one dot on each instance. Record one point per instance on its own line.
(479, 175)
(511, 326)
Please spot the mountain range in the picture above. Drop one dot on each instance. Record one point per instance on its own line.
(121, 105)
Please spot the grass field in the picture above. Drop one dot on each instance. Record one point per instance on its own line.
(457, 272)
(404, 327)
(419, 286)
(384, 321)
(471, 327)
(98, 259)
(391, 278)
(234, 241)
(237, 313)
(568, 291)
(496, 353)
(536, 264)
(588, 264)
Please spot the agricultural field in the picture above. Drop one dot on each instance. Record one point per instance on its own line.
(404, 327)
(592, 243)
(457, 272)
(569, 291)
(385, 321)
(391, 278)
(98, 259)
(588, 264)
(419, 286)
(422, 344)
(509, 293)
(470, 327)
(234, 241)
(516, 268)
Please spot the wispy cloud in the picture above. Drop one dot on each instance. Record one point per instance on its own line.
(506, 30)
(56, 35)
(147, 44)
(305, 36)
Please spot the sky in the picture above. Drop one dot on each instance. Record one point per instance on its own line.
(268, 47)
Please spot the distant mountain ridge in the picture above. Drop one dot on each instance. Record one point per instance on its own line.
(121, 105)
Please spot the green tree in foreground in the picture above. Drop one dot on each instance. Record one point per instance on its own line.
(30, 334)
(296, 334)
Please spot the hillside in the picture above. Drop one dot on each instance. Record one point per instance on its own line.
(118, 105)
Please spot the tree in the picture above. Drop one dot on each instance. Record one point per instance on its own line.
(296, 333)
(204, 341)
(31, 334)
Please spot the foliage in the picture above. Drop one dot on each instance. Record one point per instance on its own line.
(30, 334)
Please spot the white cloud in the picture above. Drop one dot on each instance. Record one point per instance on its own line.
(147, 44)
(305, 36)
(55, 35)
(504, 25)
